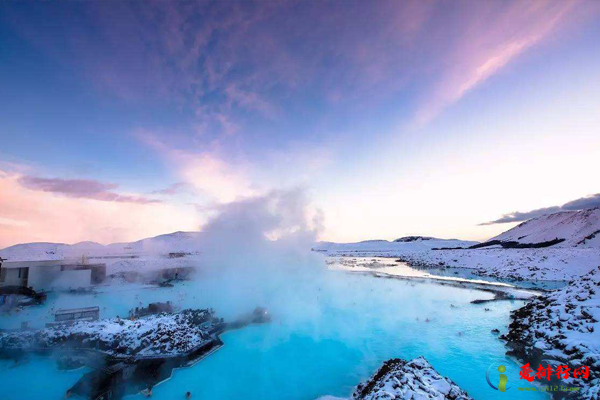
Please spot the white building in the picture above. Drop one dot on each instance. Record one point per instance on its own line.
(51, 274)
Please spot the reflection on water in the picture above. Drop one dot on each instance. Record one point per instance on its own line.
(393, 267)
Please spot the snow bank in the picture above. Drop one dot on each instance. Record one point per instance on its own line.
(158, 335)
(563, 325)
(552, 263)
(407, 380)
(546, 264)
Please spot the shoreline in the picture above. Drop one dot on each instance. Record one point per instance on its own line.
(499, 295)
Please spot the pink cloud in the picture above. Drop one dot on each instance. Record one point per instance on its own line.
(492, 37)
(81, 188)
(204, 170)
(218, 60)
(250, 100)
(28, 215)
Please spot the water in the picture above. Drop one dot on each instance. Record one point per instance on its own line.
(391, 266)
(323, 340)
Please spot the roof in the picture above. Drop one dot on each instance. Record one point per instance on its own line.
(74, 310)
(28, 264)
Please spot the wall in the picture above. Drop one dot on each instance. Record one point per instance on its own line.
(11, 277)
(51, 277)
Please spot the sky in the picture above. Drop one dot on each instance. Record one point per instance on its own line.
(123, 120)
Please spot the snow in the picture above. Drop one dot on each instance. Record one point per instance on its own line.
(575, 256)
(578, 254)
(565, 326)
(164, 334)
(543, 264)
(186, 242)
(378, 247)
(578, 228)
(408, 380)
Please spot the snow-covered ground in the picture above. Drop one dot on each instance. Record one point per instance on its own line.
(577, 253)
(176, 242)
(173, 250)
(407, 380)
(164, 335)
(547, 264)
(384, 247)
(577, 228)
(563, 325)
(557, 263)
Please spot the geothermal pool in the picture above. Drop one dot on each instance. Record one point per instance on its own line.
(327, 335)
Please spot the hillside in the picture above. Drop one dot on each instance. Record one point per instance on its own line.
(167, 243)
(577, 228)
(383, 247)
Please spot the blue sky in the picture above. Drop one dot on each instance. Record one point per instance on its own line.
(397, 118)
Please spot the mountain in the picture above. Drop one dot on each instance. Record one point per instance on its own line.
(572, 228)
(167, 243)
(406, 239)
(35, 251)
(385, 248)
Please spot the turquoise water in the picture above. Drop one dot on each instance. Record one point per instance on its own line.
(324, 339)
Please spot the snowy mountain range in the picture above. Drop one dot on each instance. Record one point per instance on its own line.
(579, 229)
(412, 243)
(162, 244)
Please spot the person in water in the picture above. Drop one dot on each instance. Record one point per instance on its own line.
(188, 395)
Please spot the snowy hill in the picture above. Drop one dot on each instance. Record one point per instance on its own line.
(162, 244)
(414, 238)
(167, 243)
(383, 247)
(36, 251)
(577, 228)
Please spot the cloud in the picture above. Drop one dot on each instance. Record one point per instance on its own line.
(31, 215)
(579, 204)
(175, 188)
(204, 170)
(81, 188)
(223, 60)
(484, 45)
(583, 203)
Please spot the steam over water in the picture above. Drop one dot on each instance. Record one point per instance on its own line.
(339, 339)
(329, 329)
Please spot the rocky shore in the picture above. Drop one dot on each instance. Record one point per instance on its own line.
(564, 326)
(407, 380)
(166, 334)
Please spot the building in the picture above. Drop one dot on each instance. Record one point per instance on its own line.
(51, 274)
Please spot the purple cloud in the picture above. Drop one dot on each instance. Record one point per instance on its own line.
(222, 62)
(81, 188)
